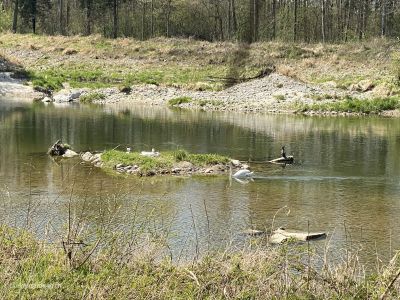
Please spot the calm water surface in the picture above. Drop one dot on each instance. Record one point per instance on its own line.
(346, 179)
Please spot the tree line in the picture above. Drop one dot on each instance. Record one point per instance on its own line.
(213, 20)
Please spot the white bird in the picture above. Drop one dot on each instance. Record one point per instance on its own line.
(153, 153)
(244, 173)
(128, 150)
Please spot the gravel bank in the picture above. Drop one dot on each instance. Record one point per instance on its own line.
(274, 93)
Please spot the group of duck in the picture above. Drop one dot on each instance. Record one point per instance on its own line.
(247, 174)
(240, 174)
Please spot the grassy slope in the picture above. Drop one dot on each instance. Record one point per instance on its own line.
(95, 61)
(34, 270)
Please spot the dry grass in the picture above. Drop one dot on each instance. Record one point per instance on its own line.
(189, 63)
(132, 266)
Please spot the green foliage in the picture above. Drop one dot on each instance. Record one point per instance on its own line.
(207, 159)
(279, 97)
(179, 100)
(180, 155)
(90, 97)
(354, 105)
(5, 20)
(46, 82)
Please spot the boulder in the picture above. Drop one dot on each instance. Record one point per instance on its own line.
(381, 91)
(69, 154)
(67, 96)
(87, 157)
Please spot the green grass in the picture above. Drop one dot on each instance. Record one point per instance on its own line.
(89, 98)
(354, 105)
(166, 160)
(179, 101)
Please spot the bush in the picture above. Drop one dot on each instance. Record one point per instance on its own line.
(181, 155)
(89, 98)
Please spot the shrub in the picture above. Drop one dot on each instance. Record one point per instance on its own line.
(180, 155)
(89, 98)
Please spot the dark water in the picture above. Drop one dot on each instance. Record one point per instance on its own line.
(346, 179)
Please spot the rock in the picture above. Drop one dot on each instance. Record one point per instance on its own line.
(69, 154)
(47, 100)
(381, 91)
(366, 85)
(236, 163)
(176, 170)
(184, 165)
(67, 96)
(87, 156)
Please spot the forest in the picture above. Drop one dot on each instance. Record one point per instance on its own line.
(250, 21)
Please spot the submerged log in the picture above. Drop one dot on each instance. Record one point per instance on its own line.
(281, 235)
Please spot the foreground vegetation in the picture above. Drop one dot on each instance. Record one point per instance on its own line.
(129, 266)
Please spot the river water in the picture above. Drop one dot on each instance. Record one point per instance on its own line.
(346, 179)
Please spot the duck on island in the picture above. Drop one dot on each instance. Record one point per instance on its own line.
(153, 153)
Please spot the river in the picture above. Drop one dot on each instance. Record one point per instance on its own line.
(345, 180)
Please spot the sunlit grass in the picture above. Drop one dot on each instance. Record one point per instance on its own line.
(165, 160)
(354, 105)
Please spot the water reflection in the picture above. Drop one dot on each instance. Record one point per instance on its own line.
(345, 179)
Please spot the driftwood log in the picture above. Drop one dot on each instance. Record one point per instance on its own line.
(283, 160)
(62, 150)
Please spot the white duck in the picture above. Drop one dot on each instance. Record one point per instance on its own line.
(153, 153)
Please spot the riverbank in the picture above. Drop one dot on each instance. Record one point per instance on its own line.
(130, 266)
(262, 77)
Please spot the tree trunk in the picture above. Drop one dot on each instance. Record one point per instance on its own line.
(15, 19)
(143, 19)
(88, 17)
(234, 20)
(67, 21)
(295, 22)
(273, 19)
(33, 16)
(383, 18)
(61, 17)
(152, 18)
(323, 20)
(115, 19)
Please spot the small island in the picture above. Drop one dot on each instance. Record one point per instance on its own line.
(179, 162)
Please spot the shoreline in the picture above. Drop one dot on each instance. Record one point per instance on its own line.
(222, 101)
